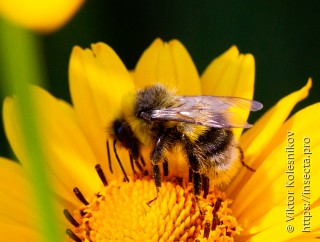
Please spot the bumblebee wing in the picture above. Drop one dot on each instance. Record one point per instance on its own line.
(211, 111)
(218, 102)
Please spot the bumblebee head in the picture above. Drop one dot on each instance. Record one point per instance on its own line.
(131, 128)
(124, 134)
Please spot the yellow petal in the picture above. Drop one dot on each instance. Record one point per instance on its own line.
(168, 63)
(16, 205)
(313, 239)
(309, 237)
(98, 81)
(69, 157)
(19, 232)
(230, 74)
(257, 139)
(43, 16)
(279, 229)
(262, 204)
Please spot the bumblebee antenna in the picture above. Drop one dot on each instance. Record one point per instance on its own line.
(120, 164)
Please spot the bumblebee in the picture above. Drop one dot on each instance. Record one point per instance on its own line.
(156, 117)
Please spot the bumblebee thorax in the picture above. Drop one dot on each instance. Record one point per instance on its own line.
(155, 97)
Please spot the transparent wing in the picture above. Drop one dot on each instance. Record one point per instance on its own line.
(212, 111)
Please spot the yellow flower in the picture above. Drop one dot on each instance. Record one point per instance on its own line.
(42, 16)
(105, 207)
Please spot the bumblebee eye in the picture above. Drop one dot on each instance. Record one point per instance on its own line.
(118, 130)
(124, 134)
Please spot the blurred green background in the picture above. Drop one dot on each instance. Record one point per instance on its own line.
(283, 36)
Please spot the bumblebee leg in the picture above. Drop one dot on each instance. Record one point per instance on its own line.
(157, 181)
(156, 176)
(197, 184)
(155, 157)
(194, 164)
(131, 163)
(194, 168)
(242, 160)
(165, 167)
(190, 174)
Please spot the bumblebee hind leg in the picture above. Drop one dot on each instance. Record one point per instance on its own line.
(194, 165)
(197, 187)
(242, 160)
(194, 171)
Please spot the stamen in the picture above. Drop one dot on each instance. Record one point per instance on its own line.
(82, 213)
(205, 186)
(215, 222)
(131, 163)
(215, 219)
(73, 236)
(101, 174)
(80, 196)
(165, 165)
(70, 218)
(206, 230)
(119, 162)
(217, 205)
(109, 158)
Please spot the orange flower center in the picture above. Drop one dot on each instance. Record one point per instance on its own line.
(128, 211)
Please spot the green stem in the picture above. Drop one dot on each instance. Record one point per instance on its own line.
(21, 64)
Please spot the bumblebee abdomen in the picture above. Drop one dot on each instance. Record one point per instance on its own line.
(192, 131)
(216, 152)
(214, 141)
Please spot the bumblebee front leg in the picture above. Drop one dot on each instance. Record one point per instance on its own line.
(156, 176)
(155, 157)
